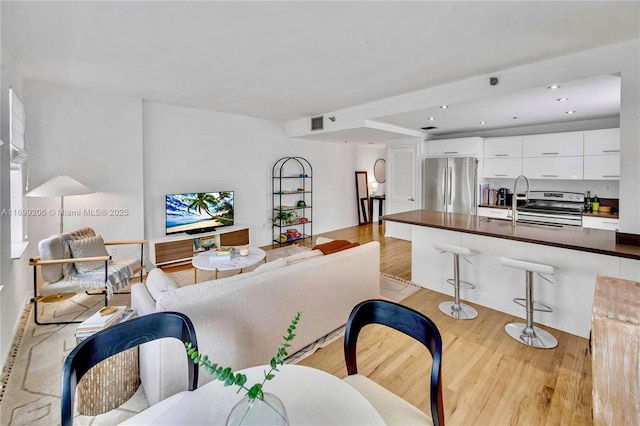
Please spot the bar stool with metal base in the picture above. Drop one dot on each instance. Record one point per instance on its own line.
(454, 308)
(527, 333)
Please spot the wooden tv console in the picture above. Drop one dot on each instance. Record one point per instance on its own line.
(174, 250)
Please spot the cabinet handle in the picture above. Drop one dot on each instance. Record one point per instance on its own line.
(610, 150)
(411, 199)
(550, 153)
(451, 152)
(611, 176)
(501, 155)
(500, 174)
(549, 175)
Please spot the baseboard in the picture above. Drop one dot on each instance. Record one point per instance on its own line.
(16, 326)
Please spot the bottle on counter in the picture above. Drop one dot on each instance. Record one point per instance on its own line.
(595, 204)
(587, 202)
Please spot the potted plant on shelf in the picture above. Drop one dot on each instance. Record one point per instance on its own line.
(285, 217)
(258, 407)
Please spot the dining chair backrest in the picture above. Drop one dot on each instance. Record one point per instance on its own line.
(119, 338)
(407, 321)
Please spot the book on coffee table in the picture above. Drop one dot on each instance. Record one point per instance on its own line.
(101, 319)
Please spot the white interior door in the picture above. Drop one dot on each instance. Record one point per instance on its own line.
(402, 191)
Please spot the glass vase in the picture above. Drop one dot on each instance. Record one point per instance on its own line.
(267, 411)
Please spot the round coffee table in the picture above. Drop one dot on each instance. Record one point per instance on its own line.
(209, 261)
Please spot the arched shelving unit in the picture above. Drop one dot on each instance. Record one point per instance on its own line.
(292, 195)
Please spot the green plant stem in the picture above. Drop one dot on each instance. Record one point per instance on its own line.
(230, 378)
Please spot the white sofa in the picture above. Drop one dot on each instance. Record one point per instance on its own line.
(240, 320)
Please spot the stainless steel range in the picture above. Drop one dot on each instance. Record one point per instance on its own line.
(553, 207)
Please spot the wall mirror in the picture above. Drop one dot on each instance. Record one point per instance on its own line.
(362, 195)
(380, 170)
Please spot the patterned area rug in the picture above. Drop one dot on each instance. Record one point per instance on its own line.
(31, 379)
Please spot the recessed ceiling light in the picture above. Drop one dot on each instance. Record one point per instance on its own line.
(562, 99)
(483, 122)
(431, 118)
(571, 112)
(554, 86)
(444, 106)
(515, 117)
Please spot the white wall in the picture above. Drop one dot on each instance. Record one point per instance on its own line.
(93, 137)
(190, 150)
(13, 273)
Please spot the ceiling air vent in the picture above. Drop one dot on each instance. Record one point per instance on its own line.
(429, 128)
(316, 123)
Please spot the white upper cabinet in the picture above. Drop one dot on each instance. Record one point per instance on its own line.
(553, 167)
(502, 167)
(459, 147)
(553, 145)
(602, 142)
(508, 147)
(602, 167)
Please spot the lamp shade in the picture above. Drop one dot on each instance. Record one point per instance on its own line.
(60, 186)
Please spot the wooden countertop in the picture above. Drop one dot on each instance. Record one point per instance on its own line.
(569, 237)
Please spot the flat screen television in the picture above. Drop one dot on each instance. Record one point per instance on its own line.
(198, 211)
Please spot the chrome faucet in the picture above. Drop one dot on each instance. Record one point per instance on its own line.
(514, 200)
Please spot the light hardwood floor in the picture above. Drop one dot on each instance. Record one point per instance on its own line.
(489, 378)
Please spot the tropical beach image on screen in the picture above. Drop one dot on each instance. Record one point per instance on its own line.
(192, 212)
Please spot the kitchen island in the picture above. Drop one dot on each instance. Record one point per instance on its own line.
(580, 254)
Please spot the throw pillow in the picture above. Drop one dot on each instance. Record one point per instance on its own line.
(158, 282)
(88, 247)
(68, 269)
(335, 246)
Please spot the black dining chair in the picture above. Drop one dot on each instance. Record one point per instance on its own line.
(392, 408)
(119, 338)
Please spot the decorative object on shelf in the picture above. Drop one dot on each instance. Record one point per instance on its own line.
(258, 407)
(293, 234)
(292, 176)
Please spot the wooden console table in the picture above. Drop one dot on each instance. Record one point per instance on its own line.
(616, 359)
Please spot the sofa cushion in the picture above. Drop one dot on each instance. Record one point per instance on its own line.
(88, 247)
(270, 266)
(302, 256)
(335, 246)
(51, 248)
(158, 282)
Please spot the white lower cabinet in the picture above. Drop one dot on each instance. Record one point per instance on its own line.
(600, 223)
(553, 167)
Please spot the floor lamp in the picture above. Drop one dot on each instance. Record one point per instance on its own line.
(60, 186)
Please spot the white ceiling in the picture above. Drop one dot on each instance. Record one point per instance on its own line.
(289, 60)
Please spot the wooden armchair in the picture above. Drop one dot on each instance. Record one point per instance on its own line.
(78, 261)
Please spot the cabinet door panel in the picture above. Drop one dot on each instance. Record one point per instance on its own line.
(553, 145)
(460, 147)
(602, 167)
(502, 167)
(503, 147)
(600, 223)
(602, 142)
(553, 167)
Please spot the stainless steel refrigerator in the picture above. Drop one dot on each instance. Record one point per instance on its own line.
(450, 184)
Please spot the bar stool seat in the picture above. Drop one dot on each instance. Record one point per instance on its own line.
(455, 308)
(527, 333)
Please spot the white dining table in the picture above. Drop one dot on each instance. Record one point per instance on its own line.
(310, 397)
